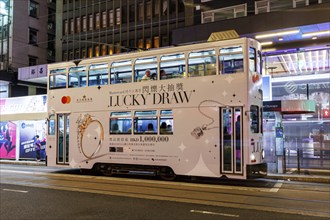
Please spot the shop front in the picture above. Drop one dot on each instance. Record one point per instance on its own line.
(21, 120)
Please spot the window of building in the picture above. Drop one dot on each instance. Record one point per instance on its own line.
(90, 22)
(120, 123)
(145, 122)
(141, 11)
(118, 16)
(148, 10)
(97, 51)
(83, 53)
(65, 56)
(156, 7)
(77, 56)
(90, 52)
(97, 20)
(77, 76)
(104, 19)
(84, 23)
(33, 61)
(156, 42)
(71, 55)
(164, 7)
(33, 36)
(148, 43)
(34, 9)
(224, 13)
(71, 26)
(262, 6)
(110, 49)
(141, 44)
(66, 27)
(104, 50)
(78, 24)
(111, 17)
(132, 13)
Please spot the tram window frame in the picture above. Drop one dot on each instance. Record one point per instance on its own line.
(123, 121)
(141, 65)
(79, 74)
(174, 66)
(259, 62)
(98, 74)
(121, 72)
(254, 119)
(231, 60)
(57, 79)
(252, 59)
(199, 63)
(166, 116)
(143, 119)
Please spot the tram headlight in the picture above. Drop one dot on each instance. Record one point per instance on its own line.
(252, 157)
(262, 154)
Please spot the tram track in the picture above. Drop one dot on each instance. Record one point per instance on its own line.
(207, 194)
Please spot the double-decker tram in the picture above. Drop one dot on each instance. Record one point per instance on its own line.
(193, 110)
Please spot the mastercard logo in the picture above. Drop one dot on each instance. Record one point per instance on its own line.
(66, 99)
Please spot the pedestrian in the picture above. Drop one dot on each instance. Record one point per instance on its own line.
(37, 147)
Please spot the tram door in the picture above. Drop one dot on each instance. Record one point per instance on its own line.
(62, 139)
(231, 140)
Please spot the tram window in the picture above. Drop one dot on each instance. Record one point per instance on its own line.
(51, 125)
(172, 66)
(166, 122)
(144, 64)
(231, 60)
(121, 72)
(252, 59)
(98, 74)
(145, 122)
(57, 79)
(259, 62)
(120, 123)
(254, 119)
(202, 63)
(77, 76)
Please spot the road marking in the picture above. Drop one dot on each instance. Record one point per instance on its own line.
(14, 190)
(277, 186)
(214, 213)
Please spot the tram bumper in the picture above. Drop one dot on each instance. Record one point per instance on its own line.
(256, 170)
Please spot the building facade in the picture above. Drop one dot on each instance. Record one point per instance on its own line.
(103, 27)
(27, 38)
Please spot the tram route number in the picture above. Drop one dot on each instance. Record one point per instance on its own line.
(154, 139)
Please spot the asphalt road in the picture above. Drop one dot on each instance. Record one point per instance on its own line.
(46, 193)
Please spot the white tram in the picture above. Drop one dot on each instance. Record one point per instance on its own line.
(199, 113)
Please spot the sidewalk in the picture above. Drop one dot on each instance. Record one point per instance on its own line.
(310, 175)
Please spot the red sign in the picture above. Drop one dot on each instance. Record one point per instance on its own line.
(326, 113)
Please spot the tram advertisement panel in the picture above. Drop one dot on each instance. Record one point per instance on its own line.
(28, 131)
(7, 140)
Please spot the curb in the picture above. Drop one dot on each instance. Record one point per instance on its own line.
(304, 178)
